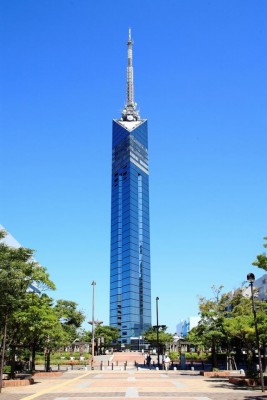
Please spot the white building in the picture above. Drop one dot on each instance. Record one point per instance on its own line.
(9, 240)
(261, 285)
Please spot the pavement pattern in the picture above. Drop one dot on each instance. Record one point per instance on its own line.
(141, 384)
(131, 383)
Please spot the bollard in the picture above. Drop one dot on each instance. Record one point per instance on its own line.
(112, 366)
(117, 363)
(125, 366)
(101, 365)
(108, 363)
(58, 367)
(126, 362)
(71, 366)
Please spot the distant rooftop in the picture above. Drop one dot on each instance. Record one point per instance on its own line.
(9, 239)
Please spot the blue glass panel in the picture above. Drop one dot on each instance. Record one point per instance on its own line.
(130, 241)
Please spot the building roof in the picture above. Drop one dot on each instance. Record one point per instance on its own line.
(9, 240)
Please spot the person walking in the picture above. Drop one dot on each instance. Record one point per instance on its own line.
(167, 361)
(148, 360)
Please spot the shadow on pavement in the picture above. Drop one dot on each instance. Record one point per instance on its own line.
(239, 387)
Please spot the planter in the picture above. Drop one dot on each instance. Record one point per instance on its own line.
(244, 381)
(215, 374)
(17, 382)
(47, 374)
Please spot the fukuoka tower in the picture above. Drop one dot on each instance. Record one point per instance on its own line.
(130, 283)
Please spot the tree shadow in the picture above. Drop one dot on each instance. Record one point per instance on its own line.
(229, 386)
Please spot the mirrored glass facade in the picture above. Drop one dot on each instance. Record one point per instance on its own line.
(130, 286)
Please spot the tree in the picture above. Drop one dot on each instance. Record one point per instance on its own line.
(70, 318)
(37, 327)
(106, 334)
(240, 325)
(227, 323)
(261, 261)
(18, 270)
(210, 330)
(164, 338)
(195, 338)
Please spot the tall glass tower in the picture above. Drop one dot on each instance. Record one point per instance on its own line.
(130, 286)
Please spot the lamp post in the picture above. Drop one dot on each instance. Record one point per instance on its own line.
(93, 322)
(157, 314)
(251, 279)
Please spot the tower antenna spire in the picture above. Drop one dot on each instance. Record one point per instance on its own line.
(129, 113)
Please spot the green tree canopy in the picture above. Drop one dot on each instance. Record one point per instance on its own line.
(164, 337)
(70, 317)
(261, 261)
(210, 332)
(109, 333)
(18, 272)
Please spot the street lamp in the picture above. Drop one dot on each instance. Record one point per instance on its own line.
(157, 314)
(93, 322)
(251, 279)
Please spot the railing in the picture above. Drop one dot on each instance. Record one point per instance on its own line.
(116, 365)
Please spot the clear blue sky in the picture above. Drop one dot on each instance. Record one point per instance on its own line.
(200, 79)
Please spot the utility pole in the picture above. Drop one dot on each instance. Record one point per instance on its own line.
(93, 322)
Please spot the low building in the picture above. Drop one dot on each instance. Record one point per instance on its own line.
(260, 286)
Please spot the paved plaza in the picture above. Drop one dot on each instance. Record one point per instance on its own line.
(131, 383)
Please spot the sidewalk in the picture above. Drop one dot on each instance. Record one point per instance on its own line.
(144, 383)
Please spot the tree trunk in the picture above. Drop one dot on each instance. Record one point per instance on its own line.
(13, 362)
(32, 358)
(3, 351)
(264, 357)
(250, 361)
(47, 366)
(214, 354)
(239, 355)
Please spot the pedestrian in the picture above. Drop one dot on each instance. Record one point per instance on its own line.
(167, 361)
(148, 360)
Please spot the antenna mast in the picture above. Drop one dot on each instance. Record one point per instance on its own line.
(129, 113)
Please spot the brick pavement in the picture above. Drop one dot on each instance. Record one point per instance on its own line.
(130, 357)
(135, 384)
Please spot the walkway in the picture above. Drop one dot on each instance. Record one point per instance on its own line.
(135, 384)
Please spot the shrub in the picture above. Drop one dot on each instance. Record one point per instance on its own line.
(252, 374)
(7, 369)
(174, 355)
